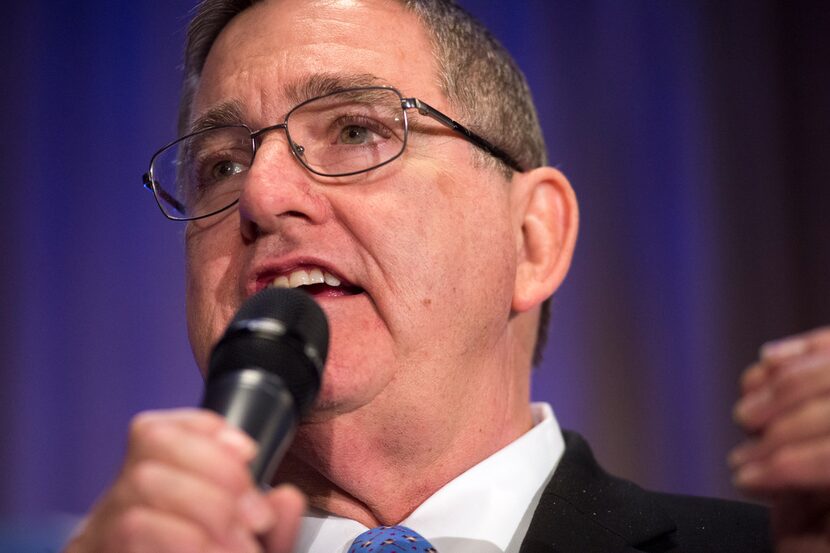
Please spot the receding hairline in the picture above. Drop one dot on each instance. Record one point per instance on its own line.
(302, 88)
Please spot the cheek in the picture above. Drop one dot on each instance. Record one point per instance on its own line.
(467, 235)
(444, 251)
(211, 285)
(478, 256)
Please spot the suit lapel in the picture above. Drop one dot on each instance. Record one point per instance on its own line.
(585, 510)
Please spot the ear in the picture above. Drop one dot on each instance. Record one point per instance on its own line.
(546, 219)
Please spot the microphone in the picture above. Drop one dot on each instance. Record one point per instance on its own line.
(265, 371)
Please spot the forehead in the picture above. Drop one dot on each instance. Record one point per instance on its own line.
(276, 53)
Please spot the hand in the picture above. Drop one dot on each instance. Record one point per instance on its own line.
(785, 409)
(185, 487)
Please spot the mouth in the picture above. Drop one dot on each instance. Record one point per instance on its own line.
(316, 281)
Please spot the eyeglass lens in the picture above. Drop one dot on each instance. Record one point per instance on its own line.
(337, 135)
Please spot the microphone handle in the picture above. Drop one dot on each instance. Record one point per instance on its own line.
(258, 403)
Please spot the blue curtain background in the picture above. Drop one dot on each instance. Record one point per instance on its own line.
(696, 134)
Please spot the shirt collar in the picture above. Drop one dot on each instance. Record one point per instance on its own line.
(485, 509)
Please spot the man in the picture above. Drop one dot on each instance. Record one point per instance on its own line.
(433, 252)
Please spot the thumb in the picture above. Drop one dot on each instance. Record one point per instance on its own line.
(288, 504)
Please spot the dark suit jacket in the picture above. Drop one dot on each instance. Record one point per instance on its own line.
(585, 510)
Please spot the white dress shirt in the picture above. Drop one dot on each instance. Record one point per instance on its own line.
(486, 509)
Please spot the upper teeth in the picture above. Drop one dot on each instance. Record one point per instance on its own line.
(303, 277)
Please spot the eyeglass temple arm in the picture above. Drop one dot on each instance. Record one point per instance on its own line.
(149, 185)
(426, 109)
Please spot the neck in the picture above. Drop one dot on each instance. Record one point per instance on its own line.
(376, 465)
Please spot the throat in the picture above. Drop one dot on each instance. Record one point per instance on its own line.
(324, 495)
(359, 481)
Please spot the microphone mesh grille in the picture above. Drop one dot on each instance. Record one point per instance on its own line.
(295, 309)
(281, 354)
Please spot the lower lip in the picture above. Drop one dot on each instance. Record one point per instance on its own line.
(320, 291)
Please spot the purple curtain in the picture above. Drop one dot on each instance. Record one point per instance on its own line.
(696, 135)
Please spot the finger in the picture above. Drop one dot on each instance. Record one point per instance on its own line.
(796, 382)
(809, 421)
(256, 512)
(288, 504)
(199, 421)
(777, 353)
(793, 346)
(802, 466)
(176, 445)
(142, 530)
(213, 508)
(754, 377)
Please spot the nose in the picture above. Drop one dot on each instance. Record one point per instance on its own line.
(278, 189)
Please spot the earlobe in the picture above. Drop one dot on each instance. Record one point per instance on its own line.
(547, 217)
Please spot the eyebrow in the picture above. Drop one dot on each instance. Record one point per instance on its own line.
(226, 113)
(318, 84)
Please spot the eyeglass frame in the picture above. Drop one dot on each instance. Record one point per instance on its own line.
(406, 103)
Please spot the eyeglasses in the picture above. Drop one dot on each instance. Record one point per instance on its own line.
(336, 135)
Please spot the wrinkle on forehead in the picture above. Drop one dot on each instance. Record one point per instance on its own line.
(274, 56)
(296, 91)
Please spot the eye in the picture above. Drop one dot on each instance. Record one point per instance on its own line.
(358, 130)
(217, 170)
(226, 168)
(355, 134)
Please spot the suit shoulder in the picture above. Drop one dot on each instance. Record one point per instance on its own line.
(584, 505)
(706, 524)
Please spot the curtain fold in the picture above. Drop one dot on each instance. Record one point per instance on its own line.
(696, 135)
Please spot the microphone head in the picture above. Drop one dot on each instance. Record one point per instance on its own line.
(281, 331)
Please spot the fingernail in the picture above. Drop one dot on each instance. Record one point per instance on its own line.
(255, 511)
(749, 475)
(753, 376)
(740, 454)
(239, 441)
(781, 349)
(752, 405)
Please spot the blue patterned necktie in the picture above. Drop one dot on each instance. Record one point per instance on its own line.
(391, 539)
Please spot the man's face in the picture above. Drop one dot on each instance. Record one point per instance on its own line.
(426, 242)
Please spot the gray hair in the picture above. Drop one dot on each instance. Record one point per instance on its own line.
(478, 76)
